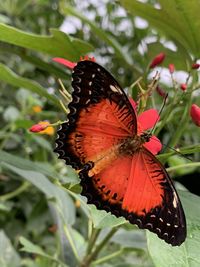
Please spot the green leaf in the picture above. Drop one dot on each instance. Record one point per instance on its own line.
(42, 142)
(102, 219)
(176, 161)
(31, 248)
(130, 239)
(64, 202)
(26, 164)
(10, 77)
(58, 44)
(179, 21)
(187, 254)
(8, 256)
(34, 249)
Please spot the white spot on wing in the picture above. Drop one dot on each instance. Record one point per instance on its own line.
(90, 83)
(115, 89)
(93, 75)
(175, 201)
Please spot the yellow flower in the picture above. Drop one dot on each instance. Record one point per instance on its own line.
(37, 109)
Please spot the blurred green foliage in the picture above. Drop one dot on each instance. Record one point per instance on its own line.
(43, 219)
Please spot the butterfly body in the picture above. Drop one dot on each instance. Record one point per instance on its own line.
(117, 171)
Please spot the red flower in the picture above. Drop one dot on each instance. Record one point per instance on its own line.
(37, 128)
(183, 86)
(157, 60)
(171, 68)
(195, 114)
(43, 127)
(70, 64)
(195, 66)
(146, 120)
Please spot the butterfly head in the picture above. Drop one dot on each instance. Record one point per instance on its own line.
(145, 137)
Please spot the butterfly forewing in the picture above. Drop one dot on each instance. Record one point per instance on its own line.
(100, 116)
(134, 185)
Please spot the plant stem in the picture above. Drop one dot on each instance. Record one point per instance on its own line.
(70, 239)
(90, 257)
(188, 165)
(16, 192)
(92, 240)
(109, 257)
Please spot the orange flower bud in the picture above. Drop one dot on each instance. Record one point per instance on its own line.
(157, 60)
(195, 114)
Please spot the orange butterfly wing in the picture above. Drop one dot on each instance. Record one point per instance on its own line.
(135, 186)
(100, 116)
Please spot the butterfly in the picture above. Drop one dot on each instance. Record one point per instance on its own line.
(117, 172)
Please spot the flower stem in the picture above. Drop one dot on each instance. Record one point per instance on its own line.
(90, 257)
(109, 257)
(92, 240)
(16, 192)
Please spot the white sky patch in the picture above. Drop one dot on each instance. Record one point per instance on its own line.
(141, 23)
(70, 25)
(165, 78)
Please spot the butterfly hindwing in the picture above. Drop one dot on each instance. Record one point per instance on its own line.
(139, 189)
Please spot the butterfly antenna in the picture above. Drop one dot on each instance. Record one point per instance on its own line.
(175, 150)
(164, 102)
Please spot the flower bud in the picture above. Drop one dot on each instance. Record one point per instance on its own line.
(195, 114)
(195, 66)
(157, 60)
(183, 86)
(36, 128)
(171, 68)
(160, 91)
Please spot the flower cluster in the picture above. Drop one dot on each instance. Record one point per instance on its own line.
(194, 110)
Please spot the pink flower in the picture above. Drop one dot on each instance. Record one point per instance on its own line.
(171, 68)
(195, 66)
(195, 114)
(70, 64)
(146, 120)
(183, 86)
(157, 60)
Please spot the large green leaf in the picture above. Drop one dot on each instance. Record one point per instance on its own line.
(8, 256)
(178, 20)
(188, 253)
(59, 44)
(10, 77)
(64, 202)
(102, 219)
(35, 249)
